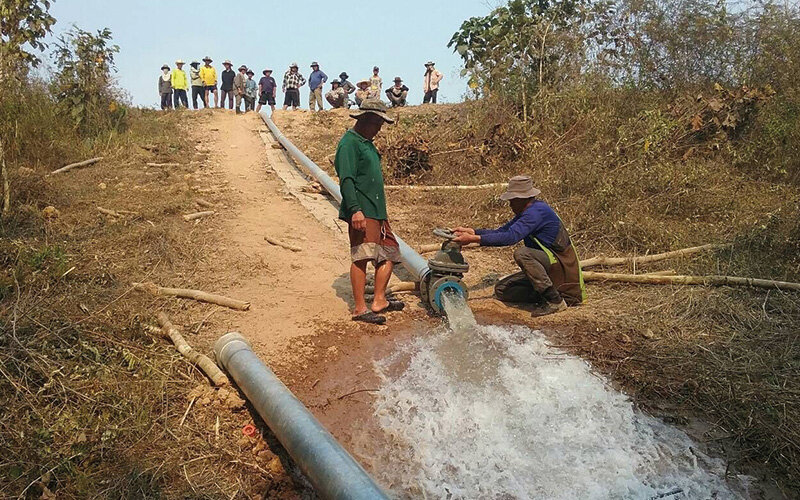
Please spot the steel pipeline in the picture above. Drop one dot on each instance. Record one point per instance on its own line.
(412, 261)
(331, 470)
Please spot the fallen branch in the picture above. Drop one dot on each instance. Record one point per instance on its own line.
(108, 212)
(435, 247)
(198, 215)
(187, 293)
(440, 188)
(278, 243)
(615, 261)
(202, 361)
(204, 203)
(690, 280)
(163, 164)
(79, 164)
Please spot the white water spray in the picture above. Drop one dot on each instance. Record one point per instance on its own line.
(493, 412)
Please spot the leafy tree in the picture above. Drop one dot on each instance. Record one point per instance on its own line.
(83, 85)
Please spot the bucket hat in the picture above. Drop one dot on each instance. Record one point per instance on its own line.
(194, 64)
(242, 67)
(343, 75)
(520, 186)
(337, 82)
(228, 62)
(430, 63)
(266, 71)
(294, 65)
(374, 106)
(315, 63)
(207, 59)
(398, 79)
(250, 72)
(164, 66)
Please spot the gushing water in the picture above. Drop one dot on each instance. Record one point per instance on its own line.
(493, 412)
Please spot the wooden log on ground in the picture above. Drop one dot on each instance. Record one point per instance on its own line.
(163, 164)
(602, 260)
(465, 187)
(198, 215)
(691, 280)
(435, 247)
(200, 360)
(79, 164)
(188, 293)
(279, 243)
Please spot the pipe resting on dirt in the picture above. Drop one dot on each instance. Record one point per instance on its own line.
(412, 261)
(331, 470)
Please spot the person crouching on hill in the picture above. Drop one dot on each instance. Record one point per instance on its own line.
(550, 273)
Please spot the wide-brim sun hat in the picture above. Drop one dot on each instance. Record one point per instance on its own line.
(374, 106)
(266, 71)
(520, 186)
(398, 79)
(228, 62)
(430, 63)
(315, 63)
(337, 82)
(294, 65)
(242, 67)
(179, 61)
(207, 59)
(362, 82)
(165, 67)
(250, 72)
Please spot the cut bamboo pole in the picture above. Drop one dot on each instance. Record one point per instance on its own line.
(202, 361)
(188, 293)
(602, 260)
(279, 243)
(79, 164)
(198, 215)
(464, 187)
(435, 247)
(690, 280)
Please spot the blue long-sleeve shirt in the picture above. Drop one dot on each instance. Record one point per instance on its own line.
(537, 221)
(316, 79)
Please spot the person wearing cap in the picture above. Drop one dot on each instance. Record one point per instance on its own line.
(238, 86)
(226, 87)
(431, 83)
(362, 93)
(292, 81)
(336, 96)
(316, 81)
(348, 87)
(363, 207)
(209, 76)
(550, 275)
(397, 93)
(250, 92)
(198, 90)
(267, 87)
(375, 84)
(165, 88)
(180, 84)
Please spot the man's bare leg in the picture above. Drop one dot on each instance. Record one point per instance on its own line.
(216, 99)
(382, 275)
(358, 280)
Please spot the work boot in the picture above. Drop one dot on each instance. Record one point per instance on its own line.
(549, 308)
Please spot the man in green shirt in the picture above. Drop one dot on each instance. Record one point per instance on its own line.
(358, 165)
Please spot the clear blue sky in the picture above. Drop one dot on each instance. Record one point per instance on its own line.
(398, 36)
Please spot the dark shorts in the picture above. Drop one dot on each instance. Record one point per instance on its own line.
(292, 98)
(266, 98)
(212, 88)
(377, 243)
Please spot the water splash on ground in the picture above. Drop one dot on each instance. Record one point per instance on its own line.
(493, 412)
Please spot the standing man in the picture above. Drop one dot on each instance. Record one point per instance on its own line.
(431, 84)
(267, 87)
(363, 206)
(226, 89)
(180, 85)
(250, 92)
(165, 88)
(375, 84)
(209, 76)
(292, 81)
(238, 86)
(315, 82)
(198, 90)
(397, 93)
(550, 273)
(336, 95)
(348, 87)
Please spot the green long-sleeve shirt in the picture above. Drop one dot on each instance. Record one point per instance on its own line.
(358, 165)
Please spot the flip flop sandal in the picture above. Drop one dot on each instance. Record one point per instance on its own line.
(394, 305)
(371, 318)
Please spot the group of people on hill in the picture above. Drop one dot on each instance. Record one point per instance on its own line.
(239, 86)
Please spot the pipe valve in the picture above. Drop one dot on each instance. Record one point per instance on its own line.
(445, 271)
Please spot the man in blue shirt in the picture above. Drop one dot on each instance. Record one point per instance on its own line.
(550, 273)
(316, 80)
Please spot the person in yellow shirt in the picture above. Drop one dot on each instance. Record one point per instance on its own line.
(180, 85)
(209, 76)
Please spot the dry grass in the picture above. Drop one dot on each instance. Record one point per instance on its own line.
(95, 402)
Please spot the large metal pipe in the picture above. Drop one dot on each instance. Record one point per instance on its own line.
(414, 263)
(331, 470)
